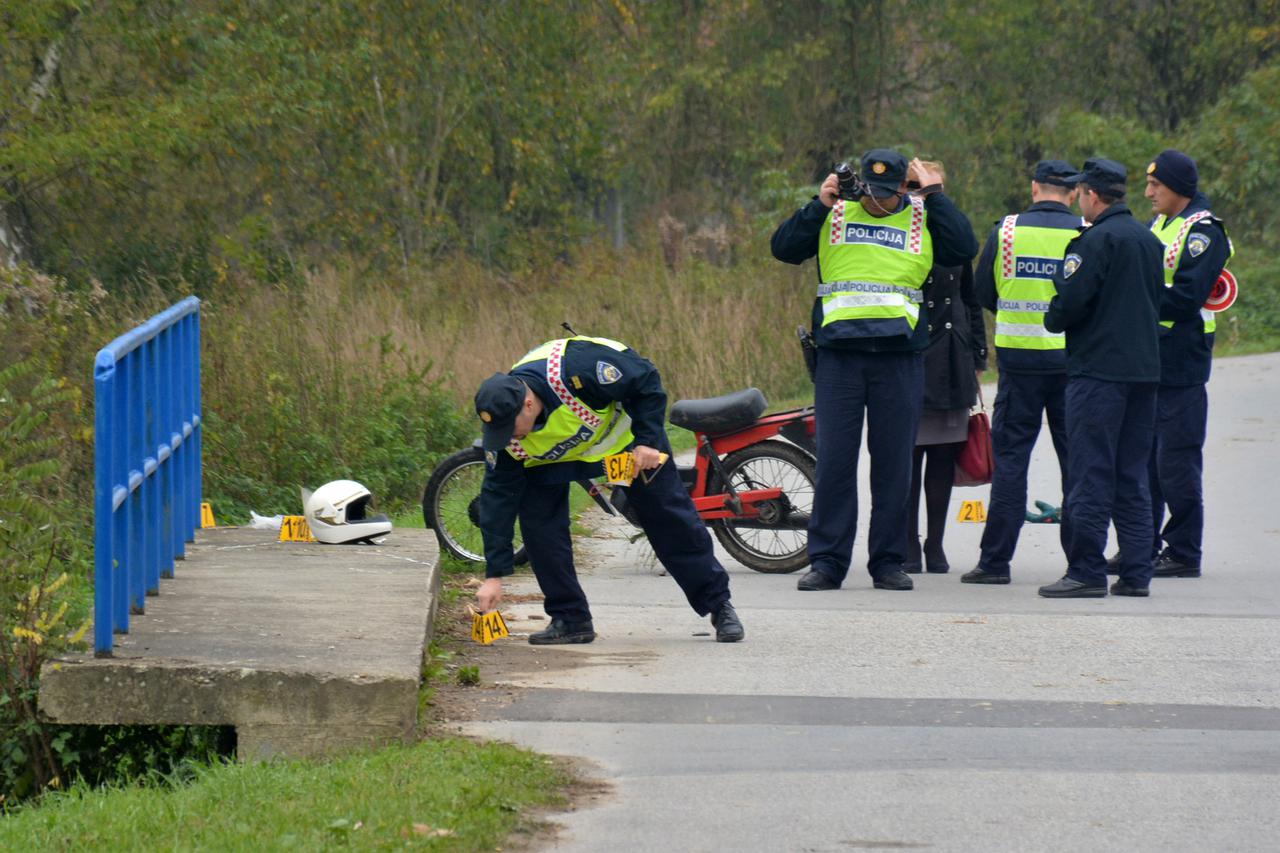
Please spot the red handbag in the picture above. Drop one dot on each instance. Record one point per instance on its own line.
(977, 461)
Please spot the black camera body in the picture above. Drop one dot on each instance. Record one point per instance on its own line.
(852, 187)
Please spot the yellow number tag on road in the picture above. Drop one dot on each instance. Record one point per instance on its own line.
(487, 627)
(972, 511)
(294, 528)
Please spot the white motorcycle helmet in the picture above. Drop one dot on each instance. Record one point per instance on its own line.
(337, 513)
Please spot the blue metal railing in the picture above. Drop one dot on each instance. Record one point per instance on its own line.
(147, 470)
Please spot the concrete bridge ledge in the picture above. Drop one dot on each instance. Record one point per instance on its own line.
(306, 649)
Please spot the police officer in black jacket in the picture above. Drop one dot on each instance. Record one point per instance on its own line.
(1014, 282)
(1107, 302)
(871, 327)
(1196, 250)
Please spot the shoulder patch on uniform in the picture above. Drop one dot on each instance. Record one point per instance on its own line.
(1070, 264)
(491, 458)
(1197, 243)
(606, 373)
(577, 382)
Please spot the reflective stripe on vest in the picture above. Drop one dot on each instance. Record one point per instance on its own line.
(1174, 236)
(1027, 258)
(872, 267)
(574, 431)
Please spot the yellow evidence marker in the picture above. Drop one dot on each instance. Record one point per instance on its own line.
(620, 468)
(972, 511)
(206, 515)
(487, 627)
(294, 528)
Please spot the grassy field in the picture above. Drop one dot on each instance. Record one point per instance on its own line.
(448, 794)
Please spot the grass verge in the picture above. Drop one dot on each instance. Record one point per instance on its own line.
(450, 794)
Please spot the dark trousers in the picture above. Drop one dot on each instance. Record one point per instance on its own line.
(889, 388)
(1022, 402)
(1109, 433)
(1177, 468)
(678, 536)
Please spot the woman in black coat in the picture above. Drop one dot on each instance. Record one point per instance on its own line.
(953, 367)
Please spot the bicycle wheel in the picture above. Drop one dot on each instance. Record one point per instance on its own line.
(451, 506)
(775, 542)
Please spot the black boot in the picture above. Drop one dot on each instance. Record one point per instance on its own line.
(728, 627)
(560, 633)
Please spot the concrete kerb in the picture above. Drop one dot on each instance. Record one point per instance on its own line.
(306, 649)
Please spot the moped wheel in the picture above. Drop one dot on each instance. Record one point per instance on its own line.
(775, 542)
(451, 506)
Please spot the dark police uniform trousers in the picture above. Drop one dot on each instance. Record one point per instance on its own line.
(1022, 402)
(678, 536)
(890, 387)
(1109, 430)
(1176, 470)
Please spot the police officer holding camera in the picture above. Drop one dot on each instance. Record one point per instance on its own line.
(875, 247)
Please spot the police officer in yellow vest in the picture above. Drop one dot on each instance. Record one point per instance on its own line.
(874, 254)
(550, 421)
(1014, 281)
(1196, 250)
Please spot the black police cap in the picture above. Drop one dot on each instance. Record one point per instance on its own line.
(498, 401)
(884, 169)
(1054, 172)
(1101, 174)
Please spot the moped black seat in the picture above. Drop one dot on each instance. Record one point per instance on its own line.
(720, 414)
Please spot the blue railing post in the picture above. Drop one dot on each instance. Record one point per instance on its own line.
(147, 469)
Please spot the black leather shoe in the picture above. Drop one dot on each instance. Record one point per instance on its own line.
(728, 627)
(816, 580)
(935, 560)
(913, 567)
(980, 575)
(1113, 565)
(1167, 567)
(560, 633)
(1122, 588)
(1071, 588)
(894, 580)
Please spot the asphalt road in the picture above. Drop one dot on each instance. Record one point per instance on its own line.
(952, 717)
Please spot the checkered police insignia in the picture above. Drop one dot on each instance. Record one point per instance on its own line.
(1197, 243)
(606, 373)
(491, 458)
(1070, 264)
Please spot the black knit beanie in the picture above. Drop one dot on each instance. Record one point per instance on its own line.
(1176, 171)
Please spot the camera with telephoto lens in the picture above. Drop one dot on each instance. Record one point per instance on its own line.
(851, 186)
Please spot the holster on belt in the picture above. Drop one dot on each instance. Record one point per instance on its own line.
(810, 351)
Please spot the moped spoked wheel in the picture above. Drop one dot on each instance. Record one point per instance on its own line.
(777, 541)
(451, 506)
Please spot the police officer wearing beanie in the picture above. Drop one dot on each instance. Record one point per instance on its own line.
(551, 420)
(1196, 250)
(1107, 300)
(1014, 281)
(871, 326)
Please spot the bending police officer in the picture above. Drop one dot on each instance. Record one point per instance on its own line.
(874, 255)
(1107, 299)
(560, 410)
(1014, 281)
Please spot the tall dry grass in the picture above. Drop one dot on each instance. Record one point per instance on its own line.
(709, 329)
